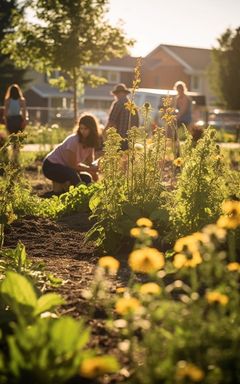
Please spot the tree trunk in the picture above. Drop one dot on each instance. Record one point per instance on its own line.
(75, 105)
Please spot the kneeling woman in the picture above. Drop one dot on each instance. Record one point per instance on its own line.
(72, 159)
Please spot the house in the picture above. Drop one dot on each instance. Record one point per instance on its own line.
(46, 103)
(161, 68)
(117, 70)
(167, 64)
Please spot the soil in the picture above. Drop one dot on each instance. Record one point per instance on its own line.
(61, 246)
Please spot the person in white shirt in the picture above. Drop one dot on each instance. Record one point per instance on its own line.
(72, 159)
(14, 109)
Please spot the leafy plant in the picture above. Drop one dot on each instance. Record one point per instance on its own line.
(131, 186)
(16, 260)
(201, 186)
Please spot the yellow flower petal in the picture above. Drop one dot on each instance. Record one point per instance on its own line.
(144, 222)
(150, 289)
(109, 263)
(127, 305)
(146, 260)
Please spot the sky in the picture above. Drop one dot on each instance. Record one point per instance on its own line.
(191, 23)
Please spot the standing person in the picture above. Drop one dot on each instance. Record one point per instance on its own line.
(71, 161)
(183, 105)
(119, 116)
(14, 113)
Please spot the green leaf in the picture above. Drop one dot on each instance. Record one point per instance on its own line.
(47, 302)
(16, 289)
(94, 202)
(159, 215)
(68, 334)
(133, 212)
(20, 254)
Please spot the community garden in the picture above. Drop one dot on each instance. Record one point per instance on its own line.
(132, 279)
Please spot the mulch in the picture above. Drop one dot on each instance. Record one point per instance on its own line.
(61, 246)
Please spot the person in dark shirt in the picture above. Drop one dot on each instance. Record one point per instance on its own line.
(119, 116)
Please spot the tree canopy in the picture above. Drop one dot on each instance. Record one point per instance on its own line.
(225, 69)
(65, 35)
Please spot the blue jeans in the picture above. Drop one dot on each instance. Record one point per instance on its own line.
(61, 173)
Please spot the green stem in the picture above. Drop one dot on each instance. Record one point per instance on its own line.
(1, 235)
(232, 246)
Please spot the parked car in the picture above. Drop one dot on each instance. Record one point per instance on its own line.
(156, 96)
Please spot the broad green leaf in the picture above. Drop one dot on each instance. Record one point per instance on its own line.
(68, 334)
(47, 302)
(17, 289)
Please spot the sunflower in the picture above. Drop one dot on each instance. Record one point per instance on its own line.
(231, 220)
(127, 305)
(144, 222)
(188, 243)
(146, 260)
(233, 267)
(178, 162)
(150, 289)
(217, 297)
(181, 260)
(96, 366)
(109, 263)
(189, 371)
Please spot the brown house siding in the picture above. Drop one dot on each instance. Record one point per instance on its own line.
(160, 70)
(34, 100)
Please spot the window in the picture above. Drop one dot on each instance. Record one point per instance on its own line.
(195, 83)
(113, 77)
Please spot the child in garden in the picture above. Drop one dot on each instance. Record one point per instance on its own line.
(71, 161)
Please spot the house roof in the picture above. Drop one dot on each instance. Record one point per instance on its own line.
(46, 90)
(191, 58)
(126, 61)
(122, 64)
(102, 92)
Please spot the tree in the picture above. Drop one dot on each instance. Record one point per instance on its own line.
(66, 35)
(225, 69)
(8, 72)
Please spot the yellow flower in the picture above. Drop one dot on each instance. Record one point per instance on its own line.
(127, 305)
(143, 232)
(214, 230)
(181, 260)
(97, 366)
(150, 289)
(187, 243)
(233, 267)
(178, 162)
(109, 263)
(144, 222)
(121, 289)
(146, 260)
(231, 207)
(215, 296)
(228, 222)
(151, 232)
(189, 370)
(135, 232)
(232, 218)
(202, 237)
